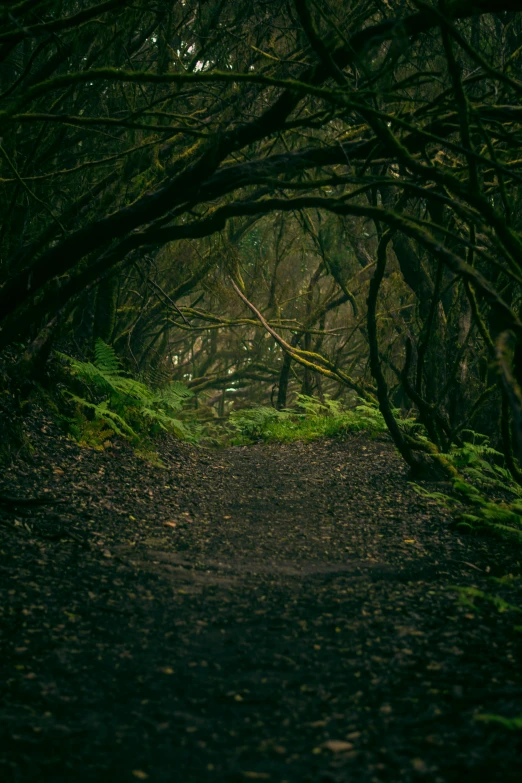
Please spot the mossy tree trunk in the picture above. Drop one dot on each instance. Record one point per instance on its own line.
(105, 309)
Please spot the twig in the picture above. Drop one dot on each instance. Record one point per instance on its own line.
(167, 297)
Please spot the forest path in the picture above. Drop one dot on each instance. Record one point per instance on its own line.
(279, 613)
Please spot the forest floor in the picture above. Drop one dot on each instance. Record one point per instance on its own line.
(279, 613)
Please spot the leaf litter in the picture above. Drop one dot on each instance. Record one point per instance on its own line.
(255, 613)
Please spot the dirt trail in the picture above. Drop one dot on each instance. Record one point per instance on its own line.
(278, 613)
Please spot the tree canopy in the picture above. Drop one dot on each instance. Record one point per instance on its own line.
(272, 196)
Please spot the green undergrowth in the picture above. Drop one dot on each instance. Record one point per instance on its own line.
(309, 420)
(472, 597)
(476, 600)
(485, 498)
(105, 401)
(510, 724)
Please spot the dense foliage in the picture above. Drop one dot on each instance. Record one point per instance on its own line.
(113, 403)
(262, 200)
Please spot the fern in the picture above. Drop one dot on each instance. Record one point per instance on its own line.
(311, 419)
(107, 359)
(482, 474)
(482, 464)
(102, 412)
(511, 724)
(106, 375)
(467, 596)
(440, 497)
(173, 396)
(314, 407)
(252, 422)
(126, 405)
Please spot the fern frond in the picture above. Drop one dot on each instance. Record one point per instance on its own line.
(106, 359)
(173, 396)
(511, 724)
(125, 397)
(102, 411)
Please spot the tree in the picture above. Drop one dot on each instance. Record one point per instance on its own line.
(128, 132)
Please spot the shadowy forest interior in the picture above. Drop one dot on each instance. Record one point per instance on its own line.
(261, 390)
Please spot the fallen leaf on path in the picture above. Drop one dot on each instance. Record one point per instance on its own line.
(337, 746)
(419, 766)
